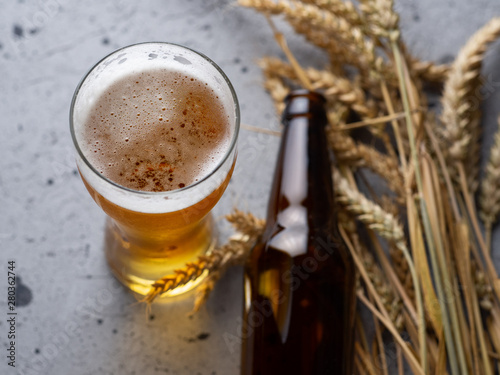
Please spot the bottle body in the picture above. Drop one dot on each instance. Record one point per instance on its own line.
(299, 280)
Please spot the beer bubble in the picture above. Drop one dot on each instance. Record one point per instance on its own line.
(158, 150)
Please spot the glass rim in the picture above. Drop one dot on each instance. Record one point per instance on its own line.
(234, 138)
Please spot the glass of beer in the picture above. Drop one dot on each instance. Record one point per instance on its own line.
(155, 127)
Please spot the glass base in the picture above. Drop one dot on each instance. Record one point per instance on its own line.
(139, 264)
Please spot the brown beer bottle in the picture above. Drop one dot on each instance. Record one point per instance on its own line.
(299, 302)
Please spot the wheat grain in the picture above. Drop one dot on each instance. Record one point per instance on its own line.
(381, 18)
(489, 198)
(428, 71)
(483, 289)
(344, 9)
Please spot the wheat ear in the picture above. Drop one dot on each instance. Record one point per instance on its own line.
(359, 48)
(345, 9)
(489, 198)
(336, 88)
(215, 263)
(368, 212)
(461, 99)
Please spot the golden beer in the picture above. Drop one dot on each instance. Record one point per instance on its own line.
(155, 127)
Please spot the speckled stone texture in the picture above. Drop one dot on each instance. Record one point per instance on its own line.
(73, 317)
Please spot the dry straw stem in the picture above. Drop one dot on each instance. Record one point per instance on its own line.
(410, 100)
(280, 39)
(233, 252)
(388, 227)
(474, 222)
(464, 268)
(389, 298)
(366, 362)
(413, 362)
(432, 194)
(392, 277)
(494, 327)
(358, 248)
(461, 98)
(381, 313)
(489, 198)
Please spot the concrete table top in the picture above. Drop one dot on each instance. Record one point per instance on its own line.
(73, 317)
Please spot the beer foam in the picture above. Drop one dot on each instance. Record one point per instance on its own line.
(156, 130)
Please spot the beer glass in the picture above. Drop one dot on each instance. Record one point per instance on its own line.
(149, 234)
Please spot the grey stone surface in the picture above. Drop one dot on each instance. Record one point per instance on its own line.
(73, 318)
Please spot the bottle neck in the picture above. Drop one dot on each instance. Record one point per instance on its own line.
(302, 194)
